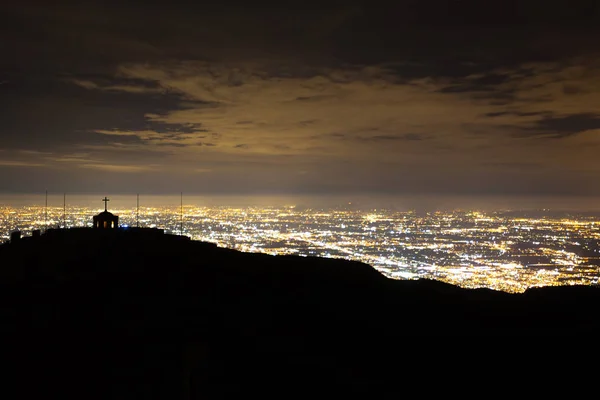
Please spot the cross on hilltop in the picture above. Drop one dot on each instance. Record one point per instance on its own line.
(105, 200)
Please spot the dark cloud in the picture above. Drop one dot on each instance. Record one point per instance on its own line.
(427, 96)
(485, 83)
(404, 136)
(568, 125)
(519, 114)
(45, 112)
(308, 122)
(312, 98)
(443, 36)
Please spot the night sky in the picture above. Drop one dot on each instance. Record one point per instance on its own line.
(436, 98)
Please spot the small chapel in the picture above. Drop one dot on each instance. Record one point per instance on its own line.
(106, 220)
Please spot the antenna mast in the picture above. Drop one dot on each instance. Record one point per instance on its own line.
(181, 228)
(46, 212)
(64, 210)
(137, 216)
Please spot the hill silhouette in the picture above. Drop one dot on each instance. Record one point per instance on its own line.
(116, 314)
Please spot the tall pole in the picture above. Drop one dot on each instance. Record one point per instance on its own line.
(64, 210)
(46, 212)
(181, 227)
(137, 216)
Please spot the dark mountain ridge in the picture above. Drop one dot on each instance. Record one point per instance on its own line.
(140, 314)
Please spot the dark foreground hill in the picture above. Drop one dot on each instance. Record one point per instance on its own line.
(125, 316)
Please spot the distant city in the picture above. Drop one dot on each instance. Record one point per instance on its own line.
(508, 251)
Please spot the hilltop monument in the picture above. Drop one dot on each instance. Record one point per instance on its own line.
(106, 220)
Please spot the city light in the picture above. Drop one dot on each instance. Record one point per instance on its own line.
(469, 249)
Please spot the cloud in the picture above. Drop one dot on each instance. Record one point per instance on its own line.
(363, 103)
(129, 88)
(261, 113)
(359, 105)
(568, 125)
(85, 84)
(393, 97)
(10, 163)
(68, 115)
(357, 116)
(365, 125)
(118, 168)
(405, 136)
(187, 137)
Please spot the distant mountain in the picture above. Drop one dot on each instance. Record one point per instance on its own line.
(139, 314)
